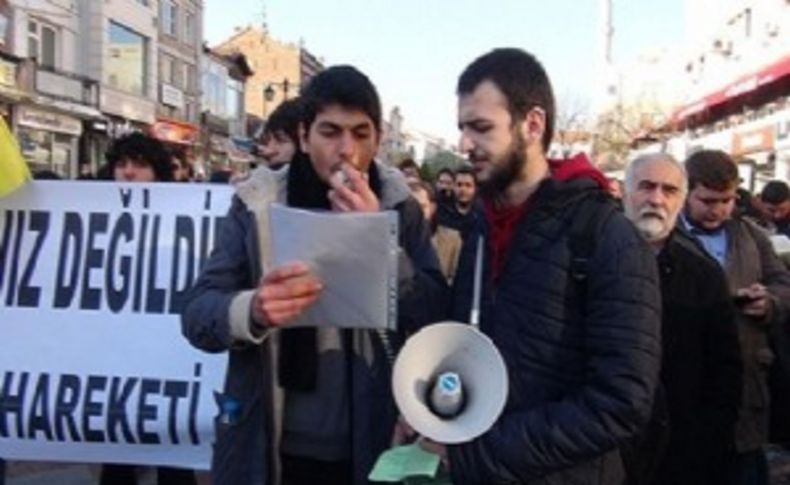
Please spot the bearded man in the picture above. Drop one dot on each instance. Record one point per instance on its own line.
(579, 332)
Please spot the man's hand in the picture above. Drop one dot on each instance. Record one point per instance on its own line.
(284, 293)
(759, 300)
(403, 433)
(351, 191)
(437, 449)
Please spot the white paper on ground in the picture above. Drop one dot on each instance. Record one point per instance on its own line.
(355, 255)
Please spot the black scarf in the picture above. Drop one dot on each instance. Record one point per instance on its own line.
(298, 358)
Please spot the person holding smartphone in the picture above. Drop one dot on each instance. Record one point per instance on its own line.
(760, 286)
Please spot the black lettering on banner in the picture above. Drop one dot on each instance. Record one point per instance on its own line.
(38, 419)
(92, 409)
(13, 403)
(5, 245)
(83, 411)
(126, 197)
(117, 297)
(67, 397)
(30, 296)
(70, 244)
(138, 276)
(94, 259)
(155, 297)
(184, 232)
(146, 199)
(193, 406)
(9, 297)
(175, 390)
(207, 203)
(116, 408)
(146, 411)
(205, 233)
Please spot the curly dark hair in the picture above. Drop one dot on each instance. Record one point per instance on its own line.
(142, 148)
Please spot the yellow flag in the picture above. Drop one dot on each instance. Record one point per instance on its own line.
(14, 171)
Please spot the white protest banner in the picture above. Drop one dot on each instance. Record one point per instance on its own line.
(93, 366)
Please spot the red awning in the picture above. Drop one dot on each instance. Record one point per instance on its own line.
(744, 84)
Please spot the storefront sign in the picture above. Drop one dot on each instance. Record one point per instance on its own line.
(172, 96)
(44, 120)
(758, 140)
(175, 132)
(7, 73)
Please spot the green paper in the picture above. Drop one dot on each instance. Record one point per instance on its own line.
(401, 462)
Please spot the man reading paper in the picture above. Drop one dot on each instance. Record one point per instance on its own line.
(308, 405)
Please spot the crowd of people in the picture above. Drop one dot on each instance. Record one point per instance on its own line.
(645, 327)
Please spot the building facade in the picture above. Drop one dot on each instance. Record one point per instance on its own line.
(223, 120)
(53, 119)
(178, 104)
(281, 69)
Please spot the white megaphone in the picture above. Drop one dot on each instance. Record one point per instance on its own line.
(449, 381)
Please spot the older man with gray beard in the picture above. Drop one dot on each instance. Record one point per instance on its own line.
(701, 367)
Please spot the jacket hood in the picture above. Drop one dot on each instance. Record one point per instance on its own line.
(577, 167)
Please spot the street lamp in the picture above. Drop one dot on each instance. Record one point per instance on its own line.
(269, 92)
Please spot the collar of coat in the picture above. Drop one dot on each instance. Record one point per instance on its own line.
(264, 186)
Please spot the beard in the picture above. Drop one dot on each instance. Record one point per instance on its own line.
(653, 224)
(506, 169)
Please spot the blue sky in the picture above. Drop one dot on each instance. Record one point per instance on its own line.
(414, 50)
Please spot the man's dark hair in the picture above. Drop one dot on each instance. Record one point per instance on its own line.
(466, 171)
(713, 169)
(142, 148)
(408, 163)
(285, 119)
(445, 170)
(520, 77)
(46, 175)
(342, 85)
(775, 192)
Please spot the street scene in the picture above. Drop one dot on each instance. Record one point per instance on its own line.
(288, 242)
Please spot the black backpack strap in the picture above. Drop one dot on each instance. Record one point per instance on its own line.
(589, 215)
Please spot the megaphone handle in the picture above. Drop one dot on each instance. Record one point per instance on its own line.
(474, 316)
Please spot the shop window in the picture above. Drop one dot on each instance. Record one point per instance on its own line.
(45, 150)
(126, 60)
(42, 43)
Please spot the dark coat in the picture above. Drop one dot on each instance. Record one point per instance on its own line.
(583, 359)
(751, 259)
(246, 451)
(702, 371)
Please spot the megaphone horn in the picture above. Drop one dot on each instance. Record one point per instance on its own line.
(450, 382)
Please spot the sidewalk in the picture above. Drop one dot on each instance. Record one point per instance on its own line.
(40, 473)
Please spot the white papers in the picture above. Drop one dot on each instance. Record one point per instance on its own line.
(781, 244)
(355, 255)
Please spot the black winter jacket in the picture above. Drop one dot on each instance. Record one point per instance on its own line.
(583, 357)
(702, 373)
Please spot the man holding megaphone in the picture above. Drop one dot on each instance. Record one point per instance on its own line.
(570, 294)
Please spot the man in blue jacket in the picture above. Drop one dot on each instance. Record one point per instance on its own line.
(306, 405)
(570, 298)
